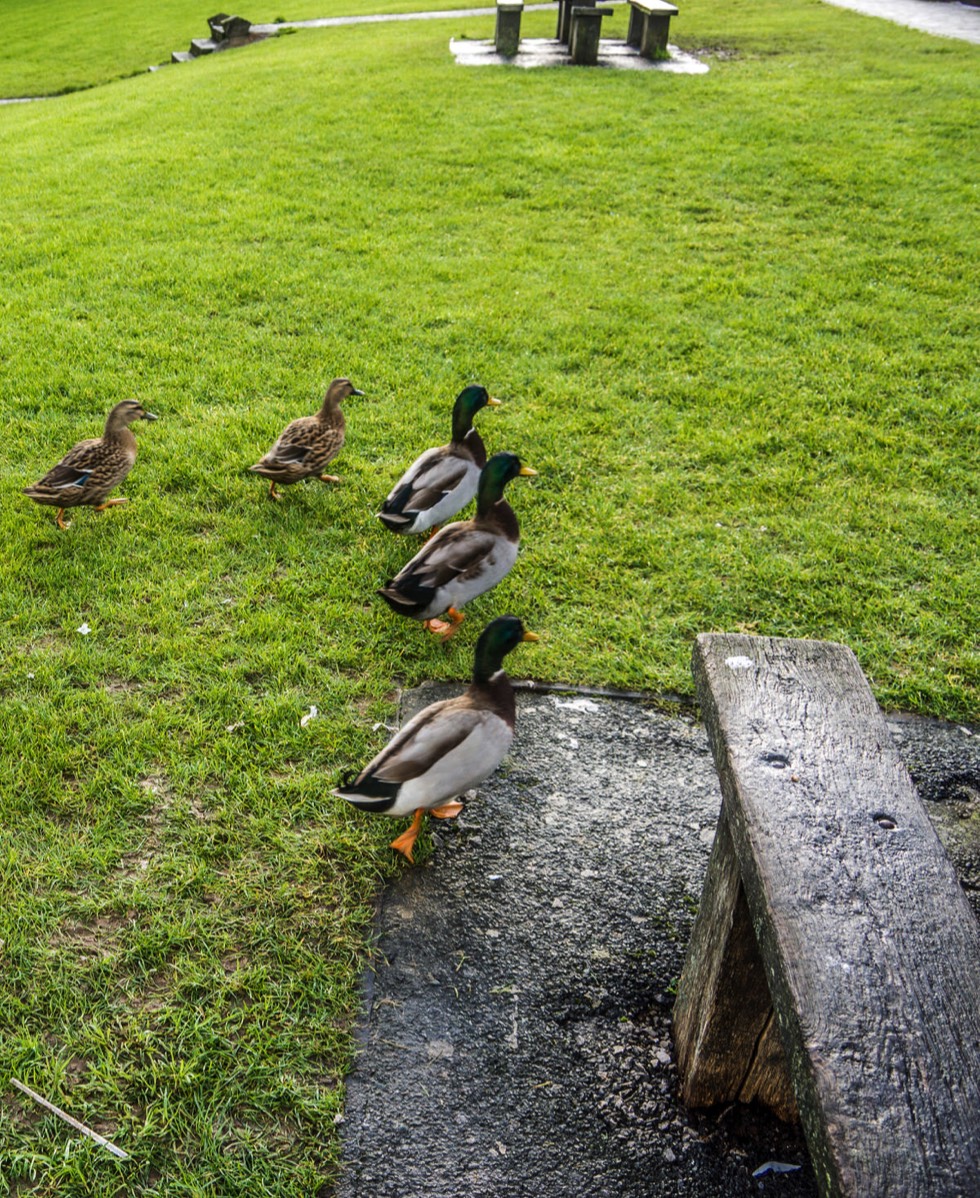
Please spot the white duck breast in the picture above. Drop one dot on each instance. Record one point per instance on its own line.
(474, 758)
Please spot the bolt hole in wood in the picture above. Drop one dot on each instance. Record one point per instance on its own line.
(776, 760)
(885, 821)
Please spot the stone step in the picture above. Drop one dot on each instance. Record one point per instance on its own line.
(181, 56)
(202, 45)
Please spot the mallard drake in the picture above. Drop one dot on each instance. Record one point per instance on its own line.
(442, 481)
(463, 559)
(90, 469)
(306, 445)
(449, 747)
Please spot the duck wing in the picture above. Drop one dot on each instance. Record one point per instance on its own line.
(89, 464)
(294, 445)
(425, 739)
(427, 481)
(457, 551)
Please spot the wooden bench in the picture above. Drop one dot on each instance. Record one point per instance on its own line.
(583, 41)
(564, 31)
(834, 966)
(507, 34)
(648, 26)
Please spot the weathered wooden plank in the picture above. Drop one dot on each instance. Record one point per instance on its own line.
(727, 1044)
(870, 949)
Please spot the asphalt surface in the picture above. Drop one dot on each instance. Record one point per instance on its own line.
(516, 1030)
(942, 18)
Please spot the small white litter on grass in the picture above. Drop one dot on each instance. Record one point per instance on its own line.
(576, 704)
(83, 629)
(775, 1167)
(310, 715)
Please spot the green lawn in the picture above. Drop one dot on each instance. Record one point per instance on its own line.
(52, 47)
(733, 322)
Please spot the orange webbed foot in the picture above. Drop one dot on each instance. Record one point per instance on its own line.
(442, 628)
(447, 810)
(405, 844)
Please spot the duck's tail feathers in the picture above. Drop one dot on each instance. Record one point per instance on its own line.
(395, 520)
(405, 605)
(368, 794)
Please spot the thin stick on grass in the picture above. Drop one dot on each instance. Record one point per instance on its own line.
(94, 1135)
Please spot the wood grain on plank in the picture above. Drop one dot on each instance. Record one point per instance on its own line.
(870, 948)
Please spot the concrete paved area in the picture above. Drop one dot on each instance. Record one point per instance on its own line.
(516, 1032)
(549, 52)
(943, 18)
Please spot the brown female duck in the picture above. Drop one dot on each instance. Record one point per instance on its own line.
(90, 470)
(306, 445)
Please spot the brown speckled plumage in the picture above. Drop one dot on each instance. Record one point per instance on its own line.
(306, 445)
(91, 469)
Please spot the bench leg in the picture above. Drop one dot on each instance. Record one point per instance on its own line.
(507, 36)
(653, 36)
(635, 29)
(725, 1032)
(584, 43)
(564, 20)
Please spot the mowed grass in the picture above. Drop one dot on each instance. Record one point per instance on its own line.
(53, 48)
(732, 319)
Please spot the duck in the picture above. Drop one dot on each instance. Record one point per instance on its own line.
(449, 747)
(463, 559)
(306, 445)
(91, 469)
(441, 482)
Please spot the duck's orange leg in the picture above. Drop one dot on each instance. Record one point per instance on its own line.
(441, 628)
(273, 493)
(406, 842)
(101, 507)
(447, 810)
(60, 519)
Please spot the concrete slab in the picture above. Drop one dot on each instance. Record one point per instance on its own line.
(549, 52)
(941, 18)
(516, 1032)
